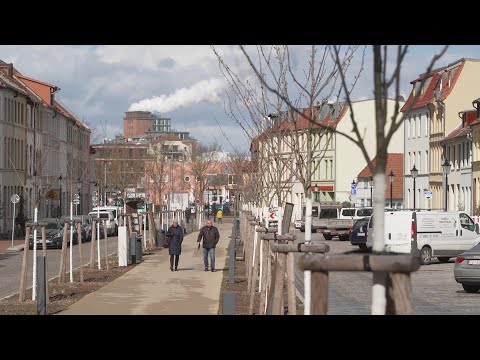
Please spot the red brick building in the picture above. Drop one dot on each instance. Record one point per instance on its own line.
(365, 187)
(136, 123)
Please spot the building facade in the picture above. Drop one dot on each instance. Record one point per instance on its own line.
(41, 142)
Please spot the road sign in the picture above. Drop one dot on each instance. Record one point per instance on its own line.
(197, 201)
(15, 198)
(353, 190)
(272, 214)
(76, 202)
(427, 194)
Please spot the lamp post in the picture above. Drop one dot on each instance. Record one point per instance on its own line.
(446, 171)
(370, 181)
(79, 187)
(98, 223)
(60, 178)
(391, 177)
(414, 173)
(208, 202)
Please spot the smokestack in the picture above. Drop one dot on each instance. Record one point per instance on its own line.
(10, 70)
(52, 99)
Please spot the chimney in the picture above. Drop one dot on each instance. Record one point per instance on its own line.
(10, 70)
(52, 99)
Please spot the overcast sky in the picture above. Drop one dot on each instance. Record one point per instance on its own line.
(101, 83)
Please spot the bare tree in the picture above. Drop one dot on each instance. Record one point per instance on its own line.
(383, 81)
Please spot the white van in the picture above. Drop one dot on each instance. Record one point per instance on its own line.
(112, 227)
(428, 234)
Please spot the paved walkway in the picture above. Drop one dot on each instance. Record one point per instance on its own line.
(152, 289)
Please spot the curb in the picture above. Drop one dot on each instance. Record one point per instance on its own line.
(16, 248)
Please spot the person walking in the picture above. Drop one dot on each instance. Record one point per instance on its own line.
(219, 215)
(175, 233)
(187, 214)
(210, 237)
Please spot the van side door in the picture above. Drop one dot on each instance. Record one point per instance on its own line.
(467, 232)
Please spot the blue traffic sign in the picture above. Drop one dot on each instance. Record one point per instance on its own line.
(353, 190)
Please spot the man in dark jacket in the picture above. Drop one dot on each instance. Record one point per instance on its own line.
(210, 237)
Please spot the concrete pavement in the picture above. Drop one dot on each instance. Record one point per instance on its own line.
(152, 289)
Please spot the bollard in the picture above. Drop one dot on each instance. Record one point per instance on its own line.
(160, 238)
(133, 246)
(228, 305)
(232, 255)
(139, 249)
(41, 286)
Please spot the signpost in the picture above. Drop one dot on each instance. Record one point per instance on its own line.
(427, 194)
(197, 201)
(15, 199)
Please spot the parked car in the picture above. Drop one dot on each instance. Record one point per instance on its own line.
(467, 269)
(53, 234)
(358, 233)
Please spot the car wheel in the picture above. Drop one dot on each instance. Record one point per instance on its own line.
(327, 236)
(443, 259)
(362, 246)
(426, 255)
(470, 288)
(302, 230)
(343, 237)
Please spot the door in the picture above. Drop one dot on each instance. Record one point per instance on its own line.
(467, 232)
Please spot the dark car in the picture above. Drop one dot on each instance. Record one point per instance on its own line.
(53, 234)
(358, 233)
(467, 269)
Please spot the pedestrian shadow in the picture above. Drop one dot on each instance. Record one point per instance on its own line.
(185, 269)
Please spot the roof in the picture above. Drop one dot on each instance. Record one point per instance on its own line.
(395, 164)
(459, 131)
(432, 83)
(35, 80)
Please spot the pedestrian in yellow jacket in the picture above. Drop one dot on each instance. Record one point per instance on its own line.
(219, 215)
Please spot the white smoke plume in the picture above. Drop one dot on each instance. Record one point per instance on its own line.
(205, 90)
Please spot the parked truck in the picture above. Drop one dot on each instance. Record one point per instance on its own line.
(331, 219)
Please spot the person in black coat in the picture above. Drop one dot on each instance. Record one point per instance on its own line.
(210, 237)
(175, 233)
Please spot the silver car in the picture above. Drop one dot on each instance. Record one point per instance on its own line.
(467, 269)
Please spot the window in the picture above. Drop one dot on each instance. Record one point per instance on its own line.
(187, 178)
(426, 162)
(426, 124)
(419, 123)
(466, 222)
(414, 121)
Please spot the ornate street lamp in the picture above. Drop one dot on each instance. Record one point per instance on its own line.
(446, 170)
(392, 178)
(414, 172)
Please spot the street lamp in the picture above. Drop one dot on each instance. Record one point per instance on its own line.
(79, 187)
(391, 177)
(60, 183)
(208, 202)
(414, 173)
(446, 171)
(370, 181)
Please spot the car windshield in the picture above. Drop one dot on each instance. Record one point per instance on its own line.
(348, 212)
(328, 213)
(364, 212)
(51, 225)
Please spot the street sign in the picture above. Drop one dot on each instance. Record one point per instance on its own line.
(353, 190)
(15, 198)
(272, 214)
(427, 194)
(197, 201)
(76, 202)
